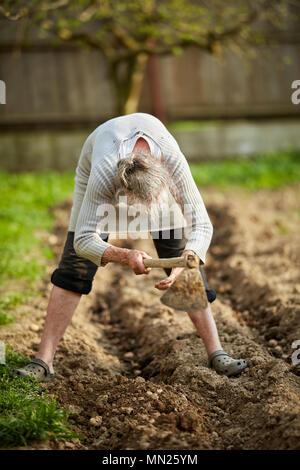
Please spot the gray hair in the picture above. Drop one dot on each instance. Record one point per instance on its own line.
(141, 177)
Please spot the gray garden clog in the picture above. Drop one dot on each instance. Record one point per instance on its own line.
(37, 369)
(222, 363)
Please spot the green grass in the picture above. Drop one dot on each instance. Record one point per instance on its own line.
(189, 126)
(266, 171)
(27, 413)
(24, 202)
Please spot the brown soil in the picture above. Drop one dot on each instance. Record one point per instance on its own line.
(134, 373)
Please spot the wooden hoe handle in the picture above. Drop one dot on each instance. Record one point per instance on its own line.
(187, 261)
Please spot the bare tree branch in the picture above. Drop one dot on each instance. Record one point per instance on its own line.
(55, 5)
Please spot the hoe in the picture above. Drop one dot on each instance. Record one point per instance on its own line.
(187, 292)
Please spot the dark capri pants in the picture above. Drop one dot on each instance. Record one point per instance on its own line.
(76, 274)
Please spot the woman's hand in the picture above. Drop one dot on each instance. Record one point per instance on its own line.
(168, 281)
(132, 258)
(135, 259)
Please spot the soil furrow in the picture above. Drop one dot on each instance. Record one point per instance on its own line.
(261, 285)
(255, 410)
(134, 373)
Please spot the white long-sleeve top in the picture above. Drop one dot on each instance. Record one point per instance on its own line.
(95, 183)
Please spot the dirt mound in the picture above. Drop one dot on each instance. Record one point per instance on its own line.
(134, 373)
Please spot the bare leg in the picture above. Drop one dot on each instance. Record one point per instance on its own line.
(61, 307)
(206, 327)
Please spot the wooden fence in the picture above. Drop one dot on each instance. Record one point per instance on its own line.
(70, 87)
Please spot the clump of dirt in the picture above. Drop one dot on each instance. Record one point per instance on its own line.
(133, 412)
(134, 373)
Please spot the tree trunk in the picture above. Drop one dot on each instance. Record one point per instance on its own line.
(127, 79)
(158, 109)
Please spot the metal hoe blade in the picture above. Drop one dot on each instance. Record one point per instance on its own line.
(187, 292)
